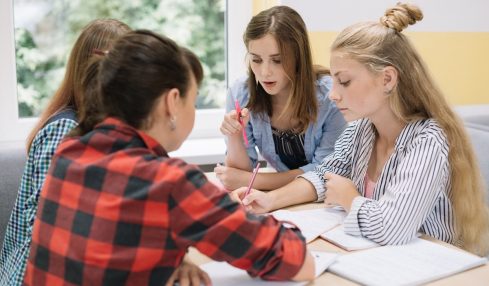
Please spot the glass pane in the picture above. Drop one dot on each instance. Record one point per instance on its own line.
(45, 31)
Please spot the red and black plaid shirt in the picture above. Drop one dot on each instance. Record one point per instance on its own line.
(115, 210)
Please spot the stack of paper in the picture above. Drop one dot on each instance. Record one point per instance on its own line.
(312, 223)
(338, 237)
(418, 262)
(223, 274)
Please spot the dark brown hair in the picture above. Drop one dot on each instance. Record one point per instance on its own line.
(289, 30)
(141, 66)
(97, 35)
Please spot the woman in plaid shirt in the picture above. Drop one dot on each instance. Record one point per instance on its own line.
(116, 209)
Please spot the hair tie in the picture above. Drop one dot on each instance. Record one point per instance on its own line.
(100, 52)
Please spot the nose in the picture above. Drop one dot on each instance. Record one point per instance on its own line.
(266, 69)
(334, 95)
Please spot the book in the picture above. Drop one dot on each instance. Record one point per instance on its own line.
(338, 237)
(312, 223)
(417, 262)
(224, 274)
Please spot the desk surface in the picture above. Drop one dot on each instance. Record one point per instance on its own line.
(475, 276)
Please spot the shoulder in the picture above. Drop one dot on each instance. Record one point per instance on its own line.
(53, 132)
(427, 132)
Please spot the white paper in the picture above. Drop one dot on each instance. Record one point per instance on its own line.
(322, 260)
(312, 223)
(418, 262)
(337, 236)
(224, 274)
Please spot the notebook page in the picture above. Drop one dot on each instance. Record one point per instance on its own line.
(418, 262)
(224, 274)
(337, 236)
(312, 223)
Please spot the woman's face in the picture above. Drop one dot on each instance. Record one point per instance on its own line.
(266, 64)
(357, 91)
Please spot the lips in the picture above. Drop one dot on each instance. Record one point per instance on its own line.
(269, 84)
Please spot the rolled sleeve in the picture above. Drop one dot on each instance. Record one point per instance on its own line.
(351, 225)
(317, 182)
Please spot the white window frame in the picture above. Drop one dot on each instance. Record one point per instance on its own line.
(15, 130)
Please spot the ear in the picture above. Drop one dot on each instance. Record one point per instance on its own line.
(172, 100)
(390, 78)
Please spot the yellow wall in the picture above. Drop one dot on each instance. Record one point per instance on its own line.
(458, 61)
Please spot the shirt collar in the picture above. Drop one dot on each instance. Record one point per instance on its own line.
(118, 125)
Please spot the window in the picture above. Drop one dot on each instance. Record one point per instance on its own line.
(45, 31)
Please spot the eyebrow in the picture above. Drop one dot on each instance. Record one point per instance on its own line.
(337, 73)
(274, 55)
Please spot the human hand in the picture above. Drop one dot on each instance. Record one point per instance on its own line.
(339, 191)
(231, 126)
(189, 274)
(232, 178)
(256, 201)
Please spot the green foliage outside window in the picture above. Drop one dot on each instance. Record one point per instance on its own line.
(44, 42)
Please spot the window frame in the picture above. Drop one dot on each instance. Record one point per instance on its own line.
(13, 128)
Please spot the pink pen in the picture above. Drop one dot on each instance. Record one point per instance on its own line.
(255, 171)
(238, 110)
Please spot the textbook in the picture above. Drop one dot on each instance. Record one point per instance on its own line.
(312, 223)
(417, 262)
(224, 274)
(338, 237)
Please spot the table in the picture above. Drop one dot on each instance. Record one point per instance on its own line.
(475, 276)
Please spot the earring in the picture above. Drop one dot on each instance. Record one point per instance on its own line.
(173, 123)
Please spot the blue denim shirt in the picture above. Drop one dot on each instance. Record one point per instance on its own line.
(319, 138)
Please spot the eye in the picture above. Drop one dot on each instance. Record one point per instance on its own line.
(344, 83)
(256, 60)
(276, 61)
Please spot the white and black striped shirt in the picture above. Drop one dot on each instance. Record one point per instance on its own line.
(411, 193)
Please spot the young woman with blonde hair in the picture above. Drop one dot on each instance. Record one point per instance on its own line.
(287, 113)
(59, 117)
(405, 164)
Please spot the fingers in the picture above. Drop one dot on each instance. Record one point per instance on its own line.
(328, 175)
(204, 278)
(230, 125)
(245, 116)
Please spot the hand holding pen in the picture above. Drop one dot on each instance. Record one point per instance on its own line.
(235, 122)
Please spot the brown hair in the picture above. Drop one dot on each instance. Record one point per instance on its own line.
(97, 35)
(129, 80)
(289, 30)
(381, 44)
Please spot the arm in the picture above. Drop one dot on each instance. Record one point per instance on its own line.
(333, 124)
(206, 218)
(409, 197)
(237, 154)
(42, 151)
(233, 178)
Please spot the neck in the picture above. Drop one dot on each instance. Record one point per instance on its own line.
(388, 128)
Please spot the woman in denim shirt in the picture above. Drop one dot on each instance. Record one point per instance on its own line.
(286, 114)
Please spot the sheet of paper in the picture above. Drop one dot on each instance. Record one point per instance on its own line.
(224, 274)
(312, 223)
(337, 236)
(418, 262)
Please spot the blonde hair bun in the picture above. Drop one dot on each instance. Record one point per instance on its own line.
(401, 16)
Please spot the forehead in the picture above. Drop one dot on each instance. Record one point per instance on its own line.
(342, 63)
(264, 46)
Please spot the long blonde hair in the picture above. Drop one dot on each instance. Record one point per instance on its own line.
(289, 30)
(381, 44)
(97, 35)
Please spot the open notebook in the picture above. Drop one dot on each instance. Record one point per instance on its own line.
(415, 263)
(223, 274)
(312, 223)
(338, 237)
